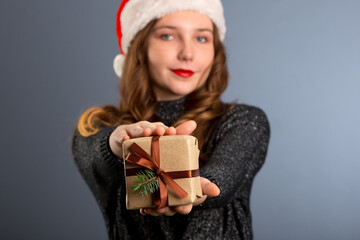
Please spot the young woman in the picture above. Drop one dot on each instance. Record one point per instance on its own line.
(171, 81)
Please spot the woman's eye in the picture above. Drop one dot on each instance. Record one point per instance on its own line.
(201, 39)
(166, 36)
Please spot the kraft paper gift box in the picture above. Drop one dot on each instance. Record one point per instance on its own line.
(177, 153)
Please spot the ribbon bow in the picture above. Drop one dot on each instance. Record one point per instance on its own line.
(141, 158)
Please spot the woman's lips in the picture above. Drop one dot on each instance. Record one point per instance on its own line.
(183, 72)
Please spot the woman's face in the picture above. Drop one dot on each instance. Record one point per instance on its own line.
(180, 54)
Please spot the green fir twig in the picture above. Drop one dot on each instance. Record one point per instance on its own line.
(146, 182)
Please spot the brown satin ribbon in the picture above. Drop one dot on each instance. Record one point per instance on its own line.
(174, 175)
(141, 158)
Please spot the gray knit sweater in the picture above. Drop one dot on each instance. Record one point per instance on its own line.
(237, 149)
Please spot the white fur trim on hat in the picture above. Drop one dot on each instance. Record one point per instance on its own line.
(119, 64)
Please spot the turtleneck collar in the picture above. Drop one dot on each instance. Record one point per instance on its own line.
(170, 111)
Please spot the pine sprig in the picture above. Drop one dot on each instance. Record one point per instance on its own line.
(146, 182)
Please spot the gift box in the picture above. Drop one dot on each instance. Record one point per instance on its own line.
(171, 159)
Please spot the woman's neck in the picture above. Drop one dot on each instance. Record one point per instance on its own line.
(170, 111)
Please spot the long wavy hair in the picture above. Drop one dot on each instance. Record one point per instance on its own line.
(204, 105)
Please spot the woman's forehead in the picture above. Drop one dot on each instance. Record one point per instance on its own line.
(185, 19)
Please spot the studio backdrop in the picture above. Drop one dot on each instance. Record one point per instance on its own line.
(297, 60)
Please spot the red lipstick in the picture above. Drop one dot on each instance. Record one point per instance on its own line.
(183, 72)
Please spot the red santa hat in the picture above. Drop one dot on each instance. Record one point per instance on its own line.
(134, 15)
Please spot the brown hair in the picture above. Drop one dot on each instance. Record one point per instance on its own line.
(204, 105)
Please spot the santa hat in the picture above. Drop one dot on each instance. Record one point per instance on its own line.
(134, 15)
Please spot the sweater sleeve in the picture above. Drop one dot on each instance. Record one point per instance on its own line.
(100, 168)
(240, 148)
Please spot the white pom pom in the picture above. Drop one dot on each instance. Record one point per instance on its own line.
(118, 64)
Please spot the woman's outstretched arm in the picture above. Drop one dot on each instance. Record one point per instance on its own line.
(239, 151)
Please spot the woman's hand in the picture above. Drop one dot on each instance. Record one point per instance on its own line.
(208, 189)
(139, 129)
(145, 129)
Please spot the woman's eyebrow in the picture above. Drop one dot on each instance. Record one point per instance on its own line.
(175, 28)
(161, 27)
(205, 30)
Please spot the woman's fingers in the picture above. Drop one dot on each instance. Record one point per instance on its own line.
(186, 209)
(134, 131)
(145, 129)
(159, 131)
(155, 127)
(147, 132)
(200, 200)
(142, 211)
(151, 212)
(208, 188)
(170, 131)
(186, 128)
(168, 211)
(117, 137)
(158, 212)
(158, 128)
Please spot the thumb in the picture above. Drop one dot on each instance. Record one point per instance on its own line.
(208, 188)
(186, 128)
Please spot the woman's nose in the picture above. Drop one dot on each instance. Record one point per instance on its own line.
(186, 50)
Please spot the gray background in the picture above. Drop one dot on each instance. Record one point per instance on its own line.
(297, 60)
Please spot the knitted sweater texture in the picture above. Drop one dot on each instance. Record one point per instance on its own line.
(237, 149)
